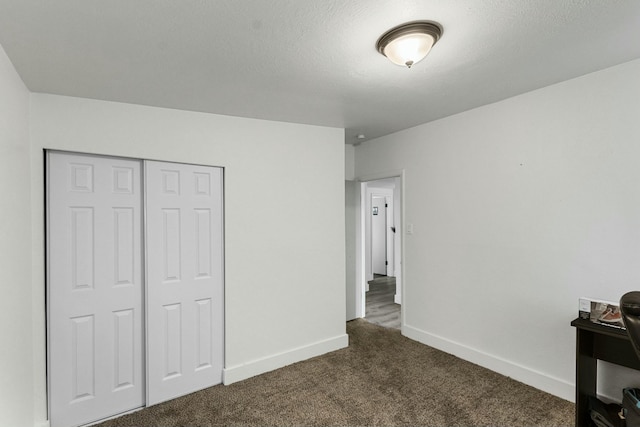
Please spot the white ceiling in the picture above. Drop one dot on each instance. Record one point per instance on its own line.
(311, 61)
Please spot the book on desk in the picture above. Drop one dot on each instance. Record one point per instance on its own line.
(605, 313)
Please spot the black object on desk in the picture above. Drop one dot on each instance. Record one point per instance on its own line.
(593, 342)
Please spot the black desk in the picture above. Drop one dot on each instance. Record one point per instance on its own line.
(595, 342)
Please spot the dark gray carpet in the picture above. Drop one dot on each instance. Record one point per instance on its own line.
(381, 379)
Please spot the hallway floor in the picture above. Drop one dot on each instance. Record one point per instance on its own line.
(380, 308)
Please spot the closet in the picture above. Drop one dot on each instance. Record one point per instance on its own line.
(135, 292)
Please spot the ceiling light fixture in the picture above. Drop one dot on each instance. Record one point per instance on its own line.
(409, 43)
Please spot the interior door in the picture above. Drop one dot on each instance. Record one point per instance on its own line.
(185, 299)
(390, 236)
(94, 287)
(378, 235)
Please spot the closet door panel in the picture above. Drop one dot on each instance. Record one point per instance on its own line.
(185, 296)
(94, 287)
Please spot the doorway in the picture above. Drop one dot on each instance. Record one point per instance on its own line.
(379, 251)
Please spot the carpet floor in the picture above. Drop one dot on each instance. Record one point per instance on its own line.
(381, 379)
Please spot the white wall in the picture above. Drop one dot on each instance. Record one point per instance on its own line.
(16, 376)
(519, 208)
(284, 217)
(349, 162)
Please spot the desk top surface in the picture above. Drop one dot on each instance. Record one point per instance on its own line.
(600, 329)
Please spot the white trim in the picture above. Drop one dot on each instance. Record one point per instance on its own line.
(381, 175)
(237, 373)
(557, 387)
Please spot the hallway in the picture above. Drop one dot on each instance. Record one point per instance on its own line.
(380, 307)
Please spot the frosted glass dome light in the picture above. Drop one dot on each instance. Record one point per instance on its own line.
(409, 43)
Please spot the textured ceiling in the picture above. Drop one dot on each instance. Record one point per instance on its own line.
(311, 61)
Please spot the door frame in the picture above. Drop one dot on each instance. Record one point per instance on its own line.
(361, 265)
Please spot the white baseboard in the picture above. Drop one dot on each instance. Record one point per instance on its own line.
(539, 380)
(237, 373)
(397, 299)
(42, 424)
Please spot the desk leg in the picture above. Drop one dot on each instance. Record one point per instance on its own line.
(586, 375)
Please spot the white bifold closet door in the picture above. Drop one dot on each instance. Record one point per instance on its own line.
(94, 271)
(115, 344)
(185, 301)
